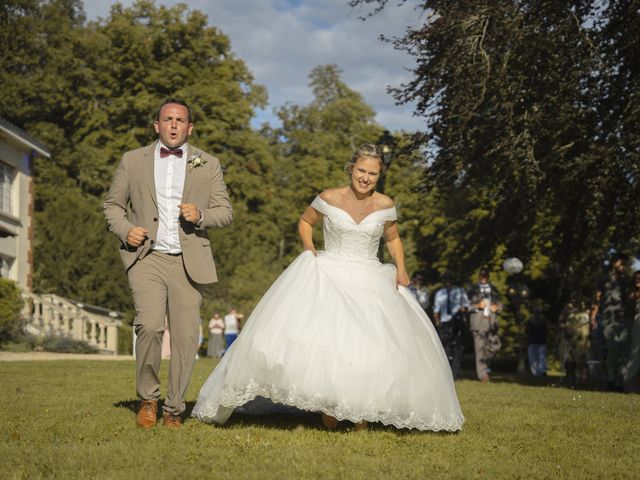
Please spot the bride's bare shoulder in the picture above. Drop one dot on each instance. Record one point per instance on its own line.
(382, 201)
(332, 195)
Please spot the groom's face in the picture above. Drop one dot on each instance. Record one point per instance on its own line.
(173, 125)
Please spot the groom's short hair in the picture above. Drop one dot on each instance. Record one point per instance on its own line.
(177, 101)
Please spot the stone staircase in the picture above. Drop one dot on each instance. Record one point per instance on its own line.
(50, 314)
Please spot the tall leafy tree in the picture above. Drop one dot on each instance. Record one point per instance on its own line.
(525, 105)
(620, 114)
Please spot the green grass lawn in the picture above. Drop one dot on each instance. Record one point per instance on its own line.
(75, 419)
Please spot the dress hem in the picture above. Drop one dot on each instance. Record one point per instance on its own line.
(210, 412)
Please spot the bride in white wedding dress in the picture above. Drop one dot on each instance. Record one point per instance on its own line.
(338, 332)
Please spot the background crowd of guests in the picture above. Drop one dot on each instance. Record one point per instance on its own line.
(223, 332)
(454, 308)
(599, 339)
(596, 339)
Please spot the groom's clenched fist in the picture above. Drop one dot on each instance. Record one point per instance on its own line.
(136, 236)
(190, 212)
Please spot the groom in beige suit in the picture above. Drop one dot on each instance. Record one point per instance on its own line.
(162, 200)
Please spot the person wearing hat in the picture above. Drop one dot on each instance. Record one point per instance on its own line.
(483, 323)
(449, 307)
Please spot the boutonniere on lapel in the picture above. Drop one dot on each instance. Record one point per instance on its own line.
(196, 161)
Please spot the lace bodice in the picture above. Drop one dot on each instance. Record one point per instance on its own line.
(343, 237)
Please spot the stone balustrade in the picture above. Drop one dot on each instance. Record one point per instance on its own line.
(50, 314)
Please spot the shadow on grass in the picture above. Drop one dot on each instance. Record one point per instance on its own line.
(505, 370)
(279, 418)
(302, 420)
(500, 376)
(134, 406)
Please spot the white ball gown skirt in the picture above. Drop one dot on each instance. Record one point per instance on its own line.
(337, 336)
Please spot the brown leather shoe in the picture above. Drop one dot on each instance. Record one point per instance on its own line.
(148, 414)
(171, 421)
(329, 422)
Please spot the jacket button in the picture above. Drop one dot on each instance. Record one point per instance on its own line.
(155, 219)
(152, 242)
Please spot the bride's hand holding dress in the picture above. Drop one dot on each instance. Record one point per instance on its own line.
(305, 229)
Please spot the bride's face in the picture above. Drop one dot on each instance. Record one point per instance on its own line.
(365, 174)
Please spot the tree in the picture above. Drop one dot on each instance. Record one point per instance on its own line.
(529, 107)
(10, 306)
(620, 114)
(84, 266)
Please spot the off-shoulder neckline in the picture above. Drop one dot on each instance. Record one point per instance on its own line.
(349, 215)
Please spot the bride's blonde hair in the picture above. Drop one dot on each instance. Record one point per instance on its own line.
(366, 150)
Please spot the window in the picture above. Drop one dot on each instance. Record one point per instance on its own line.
(5, 266)
(6, 178)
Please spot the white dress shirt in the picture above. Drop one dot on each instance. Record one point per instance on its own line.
(448, 302)
(231, 324)
(169, 173)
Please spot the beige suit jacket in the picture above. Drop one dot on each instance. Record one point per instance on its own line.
(132, 201)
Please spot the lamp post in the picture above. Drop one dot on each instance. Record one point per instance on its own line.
(386, 143)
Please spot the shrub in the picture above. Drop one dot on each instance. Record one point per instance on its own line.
(52, 343)
(26, 342)
(10, 305)
(125, 339)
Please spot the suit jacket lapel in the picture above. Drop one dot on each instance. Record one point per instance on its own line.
(149, 166)
(187, 175)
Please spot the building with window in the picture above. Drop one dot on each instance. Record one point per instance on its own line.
(17, 151)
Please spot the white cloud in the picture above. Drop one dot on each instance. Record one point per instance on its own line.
(282, 40)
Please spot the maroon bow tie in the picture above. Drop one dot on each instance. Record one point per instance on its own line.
(165, 152)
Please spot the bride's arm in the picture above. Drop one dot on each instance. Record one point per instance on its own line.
(305, 228)
(394, 244)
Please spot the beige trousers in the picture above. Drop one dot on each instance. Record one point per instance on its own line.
(161, 287)
(485, 340)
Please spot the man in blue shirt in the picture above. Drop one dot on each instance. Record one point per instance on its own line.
(449, 307)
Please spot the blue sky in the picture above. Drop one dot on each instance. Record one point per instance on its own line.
(282, 40)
